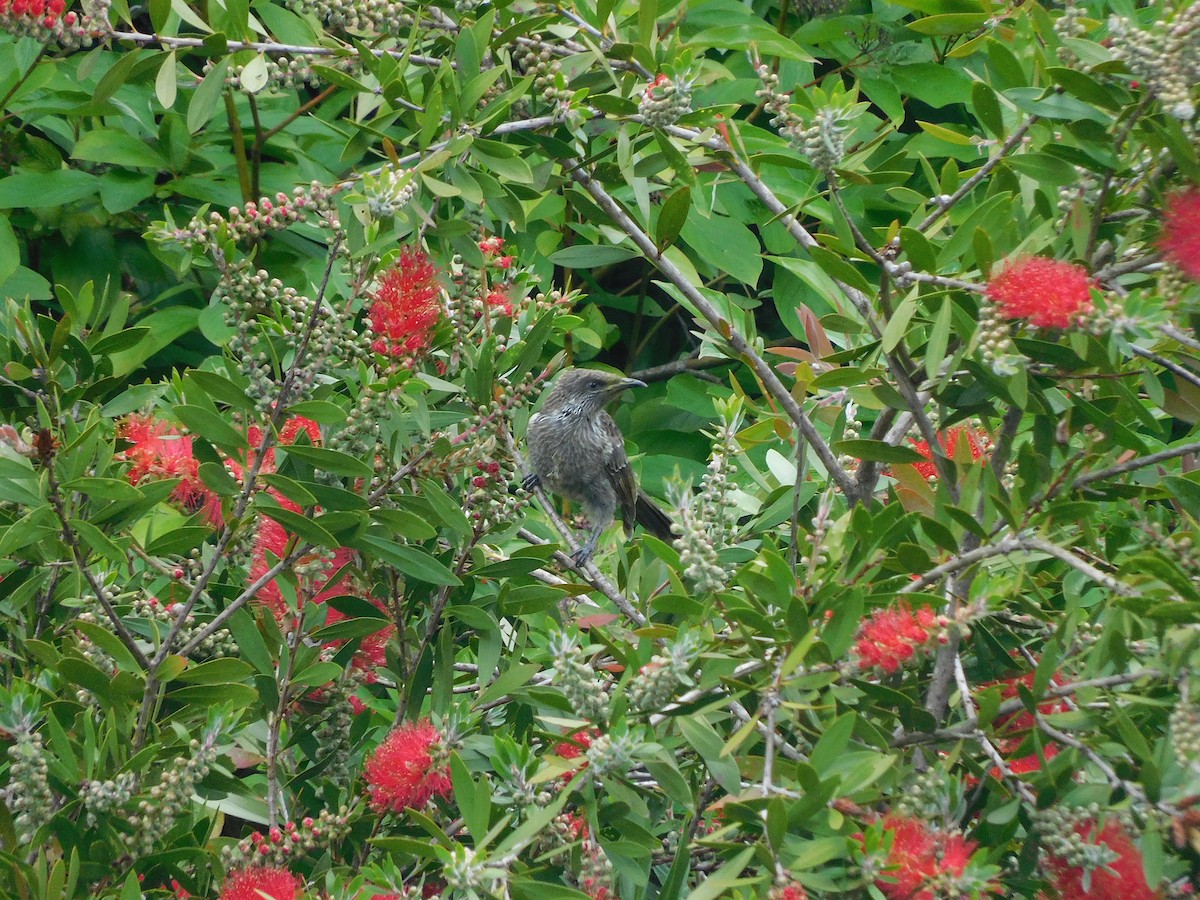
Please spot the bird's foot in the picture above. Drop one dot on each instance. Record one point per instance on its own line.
(583, 555)
(531, 481)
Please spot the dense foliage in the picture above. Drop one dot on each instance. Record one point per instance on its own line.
(913, 286)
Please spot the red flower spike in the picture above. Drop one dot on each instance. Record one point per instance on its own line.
(888, 638)
(576, 744)
(1122, 879)
(260, 882)
(1180, 239)
(400, 773)
(791, 891)
(920, 857)
(160, 451)
(977, 441)
(1047, 292)
(404, 308)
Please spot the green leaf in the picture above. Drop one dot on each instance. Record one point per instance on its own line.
(411, 561)
(323, 412)
(949, 24)
(211, 426)
(207, 95)
(118, 148)
(590, 256)
(35, 190)
(100, 542)
(878, 451)
(987, 108)
(725, 244)
(672, 217)
(332, 461)
(507, 682)
(308, 530)
(220, 389)
(166, 82)
(103, 488)
(756, 34)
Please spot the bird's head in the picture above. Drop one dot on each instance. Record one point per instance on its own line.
(586, 391)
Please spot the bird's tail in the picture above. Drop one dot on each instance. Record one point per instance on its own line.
(652, 517)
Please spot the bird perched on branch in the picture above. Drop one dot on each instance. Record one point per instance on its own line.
(577, 451)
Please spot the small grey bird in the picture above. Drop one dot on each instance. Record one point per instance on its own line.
(576, 450)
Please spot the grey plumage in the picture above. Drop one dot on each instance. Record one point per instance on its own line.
(577, 451)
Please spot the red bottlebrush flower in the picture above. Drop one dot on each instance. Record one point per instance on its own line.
(504, 262)
(976, 440)
(260, 882)
(791, 891)
(1047, 292)
(492, 245)
(1180, 239)
(1122, 879)
(1016, 725)
(889, 638)
(400, 773)
(919, 857)
(160, 451)
(576, 744)
(404, 308)
(500, 299)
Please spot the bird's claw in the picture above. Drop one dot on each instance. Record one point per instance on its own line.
(531, 481)
(582, 556)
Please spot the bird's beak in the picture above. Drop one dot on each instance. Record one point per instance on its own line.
(626, 383)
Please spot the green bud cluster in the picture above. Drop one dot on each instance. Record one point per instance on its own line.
(331, 725)
(823, 141)
(993, 337)
(379, 16)
(549, 84)
(288, 73)
(1056, 828)
(466, 874)
(323, 331)
(218, 644)
(658, 681)
(609, 755)
(1067, 26)
(254, 220)
(577, 680)
(28, 794)
(705, 522)
(388, 192)
(664, 101)
(595, 870)
(1185, 733)
(102, 797)
(932, 796)
(1166, 58)
(171, 798)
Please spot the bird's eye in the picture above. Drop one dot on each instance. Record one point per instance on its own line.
(595, 384)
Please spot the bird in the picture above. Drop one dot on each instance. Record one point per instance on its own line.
(577, 451)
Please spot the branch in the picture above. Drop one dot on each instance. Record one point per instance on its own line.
(1130, 465)
(171, 42)
(963, 730)
(983, 172)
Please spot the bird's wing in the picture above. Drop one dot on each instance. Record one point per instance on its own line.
(619, 472)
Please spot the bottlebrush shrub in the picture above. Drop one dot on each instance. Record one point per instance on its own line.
(276, 316)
